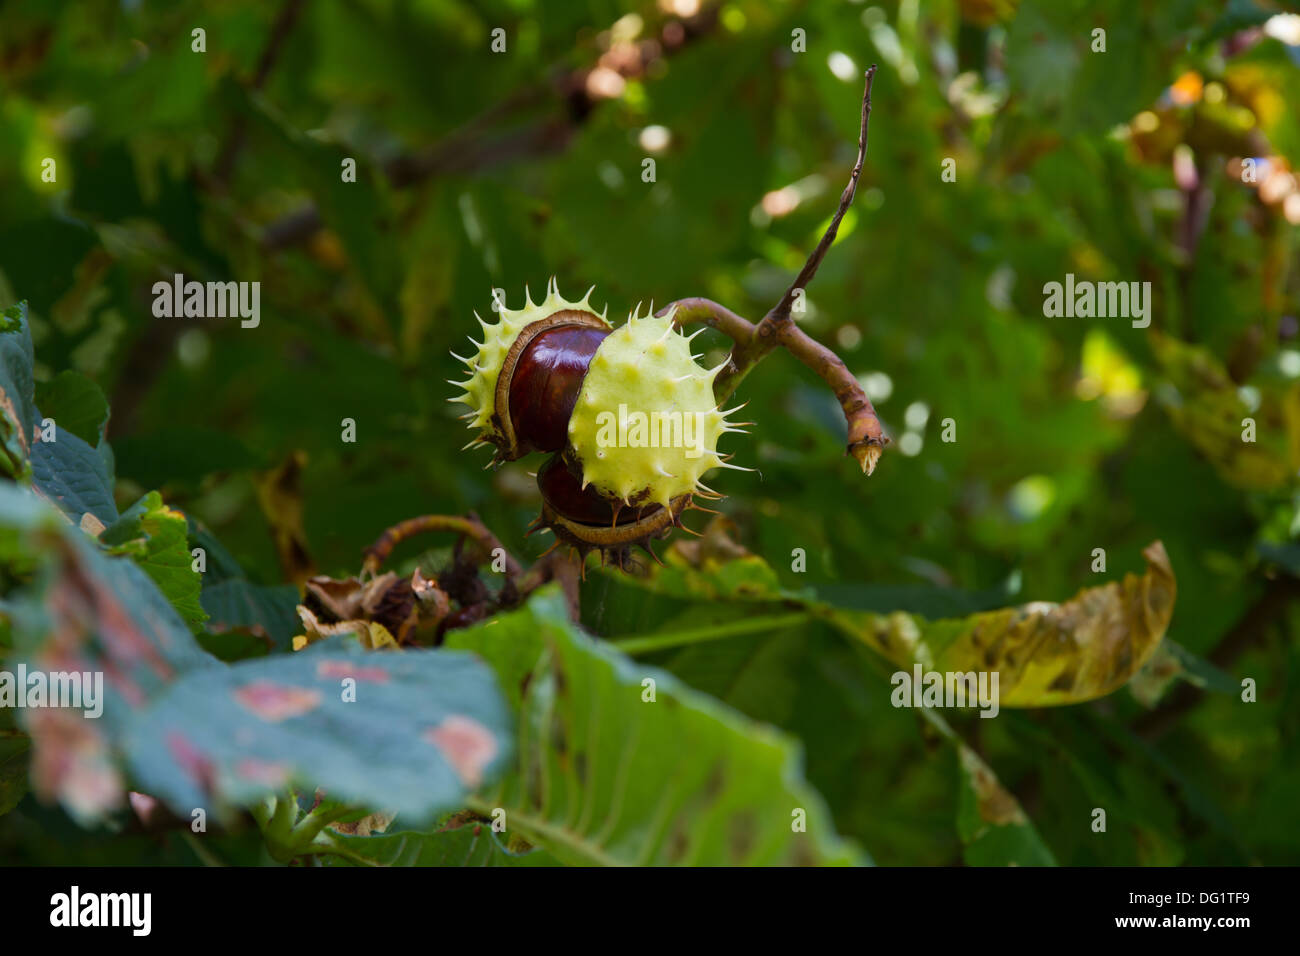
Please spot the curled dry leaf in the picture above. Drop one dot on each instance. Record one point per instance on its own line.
(384, 611)
(368, 825)
(372, 635)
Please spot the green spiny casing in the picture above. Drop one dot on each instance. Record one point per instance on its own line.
(646, 426)
(485, 365)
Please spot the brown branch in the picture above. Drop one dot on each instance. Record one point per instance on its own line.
(452, 156)
(552, 566)
(280, 30)
(809, 270)
(768, 333)
(473, 148)
(292, 229)
(866, 438)
(152, 349)
(711, 314)
(1249, 630)
(469, 526)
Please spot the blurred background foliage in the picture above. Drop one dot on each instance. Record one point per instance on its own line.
(479, 170)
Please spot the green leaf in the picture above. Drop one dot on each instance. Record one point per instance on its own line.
(606, 777)
(1237, 15)
(410, 732)
(76, 404)
(234, 603)
(76, 477)
(1171, 661)
(356, 214)
(1051, 63)
(420, 730)
(13, 771)
(1204, 404)
(156, 537)
(237, 604)
(82, 611)
(40, 256)
(67, 471)
(465, 844)
(990, 821)
(17, 410)
(1098, 639)
(181, 455)
(1287, 555)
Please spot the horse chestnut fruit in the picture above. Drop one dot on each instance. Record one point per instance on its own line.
(627, 414)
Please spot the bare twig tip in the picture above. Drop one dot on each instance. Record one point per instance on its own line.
(868, 453)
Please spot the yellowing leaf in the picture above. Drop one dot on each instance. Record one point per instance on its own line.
(279, 492)
(156, 537)
(1045, 654)
(1249, 448)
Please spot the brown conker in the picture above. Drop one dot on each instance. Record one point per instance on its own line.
(544, 387)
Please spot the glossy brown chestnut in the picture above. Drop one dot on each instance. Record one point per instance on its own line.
(587, 521)
(562, 489)
(545, 384)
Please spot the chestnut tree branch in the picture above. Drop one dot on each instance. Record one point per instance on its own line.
(781, 311)
(552, 566)
(710, 313)
(469, 526)
(866, 438)
(481, 144)
(285, 21)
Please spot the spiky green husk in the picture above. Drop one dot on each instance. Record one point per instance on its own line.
(485, 364)
(646, 367)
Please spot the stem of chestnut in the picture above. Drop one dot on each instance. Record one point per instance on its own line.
(866, 437)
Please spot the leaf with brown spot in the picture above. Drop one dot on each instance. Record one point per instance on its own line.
(413, 733)
(369, 634)
(193, 732)
(605, 778)
(85, 612)
(276, 702)
(1045, 654)
(466, 744)
(991, 823)
(387, 604)
(336, 670)
(1204, 405)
